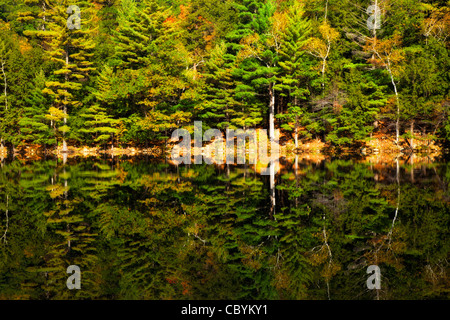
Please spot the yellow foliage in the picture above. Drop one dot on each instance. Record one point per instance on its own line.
(317, 47)
(321, 47)
(328, 33)
(4, 26)
(251, 47)
(438, 25)
(55, 114)
(330, 270)
(279, 22)
(56, 190)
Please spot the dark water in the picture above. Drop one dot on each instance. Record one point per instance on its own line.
(146, 230)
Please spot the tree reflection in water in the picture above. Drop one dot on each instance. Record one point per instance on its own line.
(150, 230)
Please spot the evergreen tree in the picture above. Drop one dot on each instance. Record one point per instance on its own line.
(98, 125)
(4, 53)
(34, 126)
(218, 106)
(353, 121)
(255, 64)
(70, 51)
(295, 72)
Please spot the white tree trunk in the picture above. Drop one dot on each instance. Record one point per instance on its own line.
(66, 78)
(5, 92)
(389, 236)
(296, 133)
(397, 122)
(272, 187)
(7, 220)
(272, 112)
(5, 84)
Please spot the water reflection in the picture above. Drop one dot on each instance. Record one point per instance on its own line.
(150, 230)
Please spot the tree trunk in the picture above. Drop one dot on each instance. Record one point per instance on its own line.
(296, 178)
(389, 236)
(5, 84)
(7, 220)
(272, 112)
(412, 135)
(397, 122)
(324, 63)
(296, 132)
(272, 188)
(66, 78)
(43, 17)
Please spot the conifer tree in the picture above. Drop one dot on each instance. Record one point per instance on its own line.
(295, 69)
(256, 64)
(70, 50)
(218, 106)
(34, 126)
(4, 53)
(98, 125)
(150, 51)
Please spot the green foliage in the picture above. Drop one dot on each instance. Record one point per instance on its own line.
(313, 66)
(141, 230)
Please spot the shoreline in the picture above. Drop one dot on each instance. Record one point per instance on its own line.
(377, 149)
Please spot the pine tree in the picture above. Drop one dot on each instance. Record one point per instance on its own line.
(353, 121)
(18, 68)
(34, 126)
(70, 51)
(255, 64)
(218, 106)
(138, 34)
(98, 125)
(149, 50)
(4, 53)
(295, 69)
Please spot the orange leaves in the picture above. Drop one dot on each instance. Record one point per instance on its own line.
(191, 21)
(186, 288)
(184, 12)
(386, 53)
(387, 50)
(24, 46)
(4, 26)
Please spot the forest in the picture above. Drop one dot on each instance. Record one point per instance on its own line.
(347, 75)
(339, 72)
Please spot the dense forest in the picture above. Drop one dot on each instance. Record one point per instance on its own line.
(130, 72)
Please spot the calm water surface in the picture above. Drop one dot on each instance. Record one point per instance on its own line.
(142, 229)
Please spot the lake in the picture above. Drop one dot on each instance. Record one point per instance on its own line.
(142, 228)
